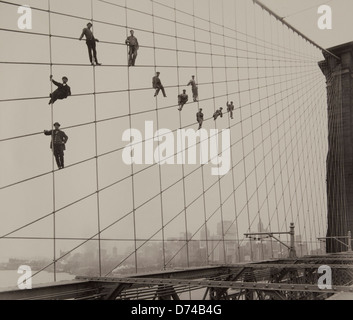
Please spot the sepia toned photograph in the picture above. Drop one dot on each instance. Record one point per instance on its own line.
(181, 150)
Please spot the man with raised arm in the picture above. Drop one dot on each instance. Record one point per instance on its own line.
(62, 92)
(230, 108)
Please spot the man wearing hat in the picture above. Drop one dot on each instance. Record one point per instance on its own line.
(218, 113)
(62, 92)
(157, 84)
(91, 43)
(195, 90)
(199, 118)
(182, 100)
(133, 44)
(57, 144)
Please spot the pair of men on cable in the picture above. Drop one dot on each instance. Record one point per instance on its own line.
(183, 98)
(131, 42)
(219, 112)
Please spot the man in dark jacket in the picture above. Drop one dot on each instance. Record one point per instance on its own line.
(218, 113)
(157, 84)
(133, 44)
(182, 100)
(58, 141)
(62, 92)
(91, 43)
(195, 90)
(199, 118)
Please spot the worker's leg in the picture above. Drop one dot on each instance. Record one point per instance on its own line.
(130, 56)
(53, 97)
(157, 91)
(94, 49)
(57, 155)
(62, 158)
(134, 55)
(163, 91)
(89, 47)
(195, 94)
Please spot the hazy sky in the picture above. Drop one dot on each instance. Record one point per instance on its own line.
(303, 15)
(278, 135)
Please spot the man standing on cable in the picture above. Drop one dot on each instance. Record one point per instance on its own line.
(182, 100)
(133, 44)
(230, 108)
(195, 90)
(91, 43)
(157, 84)
(199, 118)
(62, 92)
(58, 141)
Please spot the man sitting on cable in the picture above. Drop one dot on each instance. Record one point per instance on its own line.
(62, 92)
(182, 100)
(218, 113)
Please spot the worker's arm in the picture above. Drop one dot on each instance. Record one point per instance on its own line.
(65, 137)
(82, 34)
(48, 132)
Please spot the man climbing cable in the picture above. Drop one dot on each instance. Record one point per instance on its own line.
(57, 144)
(194, 88)
(157, 84)
(182, 100)
(133, 45)
(62, 92)
(199, 118)
(218, 113)
(91, 43)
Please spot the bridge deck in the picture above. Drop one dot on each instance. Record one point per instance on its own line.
(273, 279)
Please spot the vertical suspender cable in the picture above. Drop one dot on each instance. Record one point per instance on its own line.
(159, 167)
(228, 244)
(202, 166)
(132, 165)
(182, 147)
(52, 145)
(96, 159)
(217, 136)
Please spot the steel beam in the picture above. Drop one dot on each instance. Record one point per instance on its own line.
(238, 285)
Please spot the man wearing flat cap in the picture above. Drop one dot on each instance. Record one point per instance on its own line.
(133, 45)
(57, 144)
(157, 84)
(199, 118)
(183, 98)
(62, 92)
(218, 113)
(91, 43)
